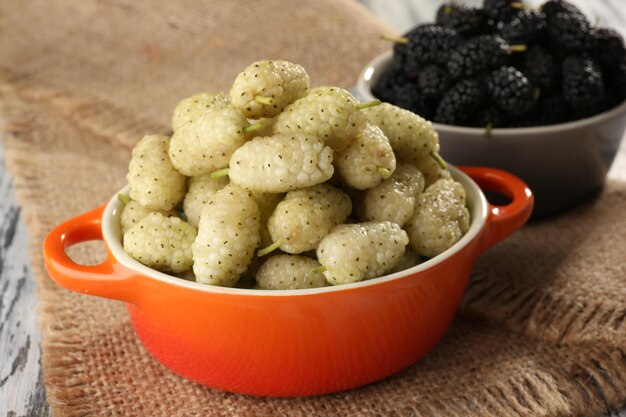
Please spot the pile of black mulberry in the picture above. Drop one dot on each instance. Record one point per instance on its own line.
(506, 65)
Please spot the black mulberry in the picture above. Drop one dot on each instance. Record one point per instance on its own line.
(511, 91)
(478, 55)
(542, 69)
(569, 31)
(408, 97)
(583, 85)
(608, 47)
(433, 81)
(385, 87)
(502, 10)
(466, 21)
(429, 44)
(458, 106)
(552, 7)
(526, 28)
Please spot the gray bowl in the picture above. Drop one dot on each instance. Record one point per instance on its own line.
(563, 164)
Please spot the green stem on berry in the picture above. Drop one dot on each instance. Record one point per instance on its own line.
(253, 127)
(319, 269)
(124, 199)
(537, 93)
(517, 5)
(264, 100)
(447, 9)
(395, 39)
(384, 172)
(220, 173)
(518, 48)
(488, 129)
(368, 104)
(442, 164)
(270, 248)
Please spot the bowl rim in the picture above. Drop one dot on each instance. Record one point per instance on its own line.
(363, 87)
(112, 237)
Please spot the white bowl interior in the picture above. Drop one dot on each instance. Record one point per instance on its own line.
(111, 231)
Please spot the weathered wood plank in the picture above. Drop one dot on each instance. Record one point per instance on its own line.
(21, 391)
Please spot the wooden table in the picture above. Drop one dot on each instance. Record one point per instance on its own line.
(21, 390)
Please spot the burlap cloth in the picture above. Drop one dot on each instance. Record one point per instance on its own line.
(542, 330)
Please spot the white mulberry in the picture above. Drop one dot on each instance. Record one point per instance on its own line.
(328, 112)
(368, 160)
(410, 135)
(290, 272)
(265, 88)
(228, 234)
(153, 181)
(305, 216)
(193, 108)
(432, 170)
(440, 218)
(201, 190)
(207, 144)
(393, 199)
(354, 252)
(162, 243)
(133, 212)
(281, 163)
(267, 204)
(409, 259)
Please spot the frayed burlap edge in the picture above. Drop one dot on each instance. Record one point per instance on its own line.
(556, 318)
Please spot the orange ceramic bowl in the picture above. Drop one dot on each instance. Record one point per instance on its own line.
(298, 342)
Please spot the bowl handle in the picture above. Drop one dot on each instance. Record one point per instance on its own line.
(109, 279)
(502, 220)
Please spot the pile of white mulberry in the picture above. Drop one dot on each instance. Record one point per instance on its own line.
(279, 186)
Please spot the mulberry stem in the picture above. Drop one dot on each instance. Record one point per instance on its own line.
(319, 269)
(270, 248)
(518, 48)
(264, 100)
(368, 104)
(219, 173)
(517, 5)
(124, 199)
(488, 129)
(442, 164)
(395, 39)
(253, 127)
(384, 172)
